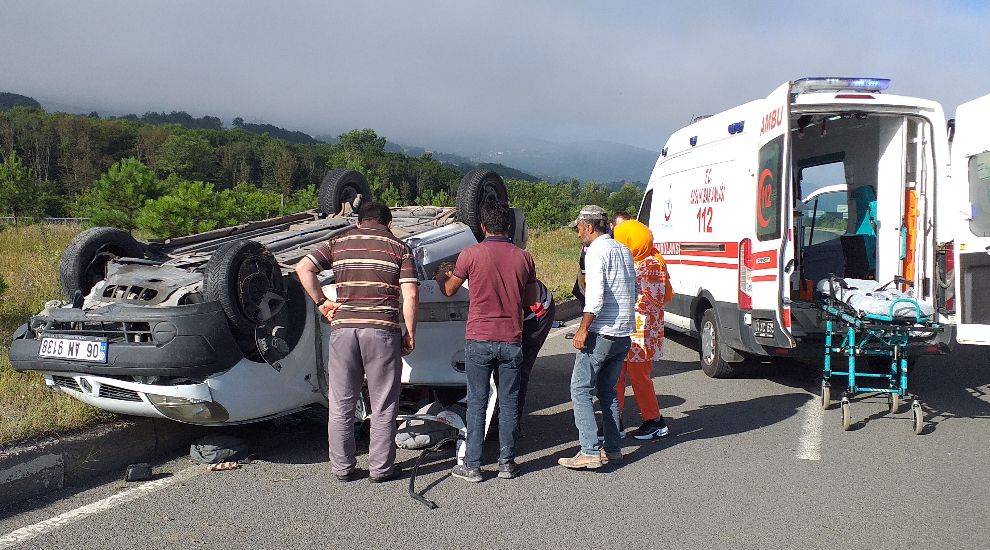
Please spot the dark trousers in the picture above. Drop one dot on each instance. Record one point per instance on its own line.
(534, 334)
(481, 359)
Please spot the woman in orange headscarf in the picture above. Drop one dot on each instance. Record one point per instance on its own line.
(647, 341)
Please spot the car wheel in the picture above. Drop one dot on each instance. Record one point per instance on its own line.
(711, 356)
(245, 278)
(476, 187)
(84, 262)
(342, 187)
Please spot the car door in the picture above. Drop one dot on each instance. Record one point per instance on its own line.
(762, 262)
(970, 158)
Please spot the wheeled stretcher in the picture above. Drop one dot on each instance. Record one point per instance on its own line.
(874, 324)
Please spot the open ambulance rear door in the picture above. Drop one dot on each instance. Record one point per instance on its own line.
(763, 282)
(970, 159)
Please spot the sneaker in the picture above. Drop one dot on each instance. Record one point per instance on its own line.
(394, 474)
(607, 457)
(467, 474)
(581, 460)
(508, 470)
(652, 429)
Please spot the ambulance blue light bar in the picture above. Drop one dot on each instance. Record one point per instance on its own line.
(839, 84)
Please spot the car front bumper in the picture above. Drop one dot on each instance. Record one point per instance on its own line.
(189, 341)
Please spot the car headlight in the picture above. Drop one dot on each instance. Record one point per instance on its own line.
(191, 410)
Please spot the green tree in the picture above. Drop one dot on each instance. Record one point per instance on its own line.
(626, 199)
(301, 200)
(189, 207)
(21, 194)
(187, 155)
(117, 197)
(246, 202)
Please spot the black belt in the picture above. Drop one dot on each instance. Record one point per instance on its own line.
(609, 336)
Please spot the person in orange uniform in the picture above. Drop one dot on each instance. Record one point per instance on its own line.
(647, 340)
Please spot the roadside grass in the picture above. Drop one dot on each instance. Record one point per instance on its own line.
(556, 254)
(29, 266)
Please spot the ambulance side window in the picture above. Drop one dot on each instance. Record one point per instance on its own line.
(644, 209)
(979, 194)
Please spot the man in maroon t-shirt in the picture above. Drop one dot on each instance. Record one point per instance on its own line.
(501, 279)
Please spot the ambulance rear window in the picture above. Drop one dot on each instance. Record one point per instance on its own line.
(979, 194)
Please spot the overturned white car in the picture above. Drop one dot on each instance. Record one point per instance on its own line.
(215, 328)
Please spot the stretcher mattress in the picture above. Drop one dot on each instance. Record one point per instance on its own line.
(877, 300)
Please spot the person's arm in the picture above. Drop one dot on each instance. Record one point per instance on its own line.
(307, 270)
(410, 303)
(445, 275)
(582, 332)
(532, 286)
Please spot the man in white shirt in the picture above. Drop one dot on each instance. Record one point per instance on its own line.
(602, 340)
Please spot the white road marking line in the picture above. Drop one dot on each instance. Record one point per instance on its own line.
(31, 531)
(811, 431)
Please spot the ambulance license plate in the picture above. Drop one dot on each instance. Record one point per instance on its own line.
(763, 328)
(78, 348)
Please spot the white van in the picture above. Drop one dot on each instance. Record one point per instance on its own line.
(752, 207)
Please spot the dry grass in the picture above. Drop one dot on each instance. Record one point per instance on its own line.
(556, 254)
(29, 265)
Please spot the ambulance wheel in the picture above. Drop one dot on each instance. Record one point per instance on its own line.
(342, 187)
(846, 415)
(919, 417)
(894, 402)
(826, 395)
(711, 356)
(476, 187)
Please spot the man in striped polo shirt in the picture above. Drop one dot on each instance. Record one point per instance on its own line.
(371, 268)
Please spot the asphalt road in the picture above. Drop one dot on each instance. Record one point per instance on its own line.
(750, 463)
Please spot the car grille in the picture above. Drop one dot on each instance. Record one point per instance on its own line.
(116, 332)
(113, 392)
(66, 382)
(134, 293)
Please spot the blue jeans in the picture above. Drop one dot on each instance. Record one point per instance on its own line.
(597, 367)
(480, 359)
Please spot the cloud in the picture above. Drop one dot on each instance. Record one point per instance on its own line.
(469, 74)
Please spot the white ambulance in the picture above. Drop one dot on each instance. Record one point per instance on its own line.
(752, 207)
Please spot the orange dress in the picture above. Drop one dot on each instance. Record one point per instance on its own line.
(647, 341)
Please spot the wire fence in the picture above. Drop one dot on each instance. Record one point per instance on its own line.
(29, 220)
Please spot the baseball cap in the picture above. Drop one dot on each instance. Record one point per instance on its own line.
(590, 212)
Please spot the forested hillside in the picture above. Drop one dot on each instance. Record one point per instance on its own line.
(167, 180)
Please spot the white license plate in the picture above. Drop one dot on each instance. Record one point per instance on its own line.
(78, 349)
(763, 328)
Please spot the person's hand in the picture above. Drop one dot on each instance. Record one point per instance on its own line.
(328, 308)
(579, 339)
(408, 344)
(444, 271)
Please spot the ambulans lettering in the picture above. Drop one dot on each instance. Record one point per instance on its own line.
(771, 120)
(669, 249)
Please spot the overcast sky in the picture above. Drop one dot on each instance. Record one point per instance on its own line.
(455, 74)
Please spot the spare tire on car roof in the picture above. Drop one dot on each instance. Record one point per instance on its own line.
(476, 187)
(84, 261)
(342, 187)
(246, 279)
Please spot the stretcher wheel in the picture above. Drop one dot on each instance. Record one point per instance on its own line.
(826, 395)
(919, 417)
(846, 415)
(894, 402)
